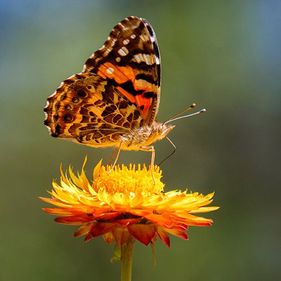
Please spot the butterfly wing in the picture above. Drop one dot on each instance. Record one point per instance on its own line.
(89, 110)
(119, 89)
(130, 59)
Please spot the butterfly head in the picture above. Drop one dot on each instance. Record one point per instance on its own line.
(158, 131)
(161, 130)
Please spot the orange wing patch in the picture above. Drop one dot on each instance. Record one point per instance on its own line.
(138, 91)
(118, 73)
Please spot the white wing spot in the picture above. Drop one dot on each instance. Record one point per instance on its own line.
(138, 58)
(49, 129)
(133, 36)
(54, 93)
(144, 38)
(113, 41)
(46, 115)
(157, 60)
(110, 42)
(148, 59)
(126, 41)
(106, 52)
(123, 51)
(110, 70)
(118, 59)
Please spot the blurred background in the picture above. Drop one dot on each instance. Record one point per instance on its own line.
(223, 55)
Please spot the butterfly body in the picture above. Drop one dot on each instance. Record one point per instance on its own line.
(142, 138)
(114, 101)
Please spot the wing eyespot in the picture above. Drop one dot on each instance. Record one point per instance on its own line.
(81, 93)
(67, 118)
(75, 100)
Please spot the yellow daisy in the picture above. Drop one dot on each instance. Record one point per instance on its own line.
(125, 203)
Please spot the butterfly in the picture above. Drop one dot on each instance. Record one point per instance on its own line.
(114, 101)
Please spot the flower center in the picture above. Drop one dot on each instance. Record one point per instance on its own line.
(131, 181)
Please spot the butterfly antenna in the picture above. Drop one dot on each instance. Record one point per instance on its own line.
(178, 116)
(187, 109)
(174, 150)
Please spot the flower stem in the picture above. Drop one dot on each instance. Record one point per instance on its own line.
(127, 260)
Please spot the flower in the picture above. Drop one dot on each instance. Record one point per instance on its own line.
(125, 202)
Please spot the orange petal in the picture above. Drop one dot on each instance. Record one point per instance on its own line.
(84, 229)
(101, 228)
(142, 232)
(163, 236)
(176, 232)
(75, 220)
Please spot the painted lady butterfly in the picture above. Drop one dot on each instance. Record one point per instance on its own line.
(113, 102)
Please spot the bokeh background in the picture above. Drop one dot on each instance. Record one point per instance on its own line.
(223, 55)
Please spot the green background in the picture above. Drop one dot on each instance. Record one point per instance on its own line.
(223, 55)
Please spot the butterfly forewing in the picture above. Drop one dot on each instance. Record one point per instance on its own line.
(130, 59)
(118, 90)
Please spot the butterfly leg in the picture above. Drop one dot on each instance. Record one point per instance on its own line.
(152, 160)
(169, 155)
(113, 156)
(152, 150)
(117, 153)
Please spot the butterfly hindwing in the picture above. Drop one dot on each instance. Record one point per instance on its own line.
(89, 110)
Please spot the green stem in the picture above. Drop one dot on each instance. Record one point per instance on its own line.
(127, 260)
